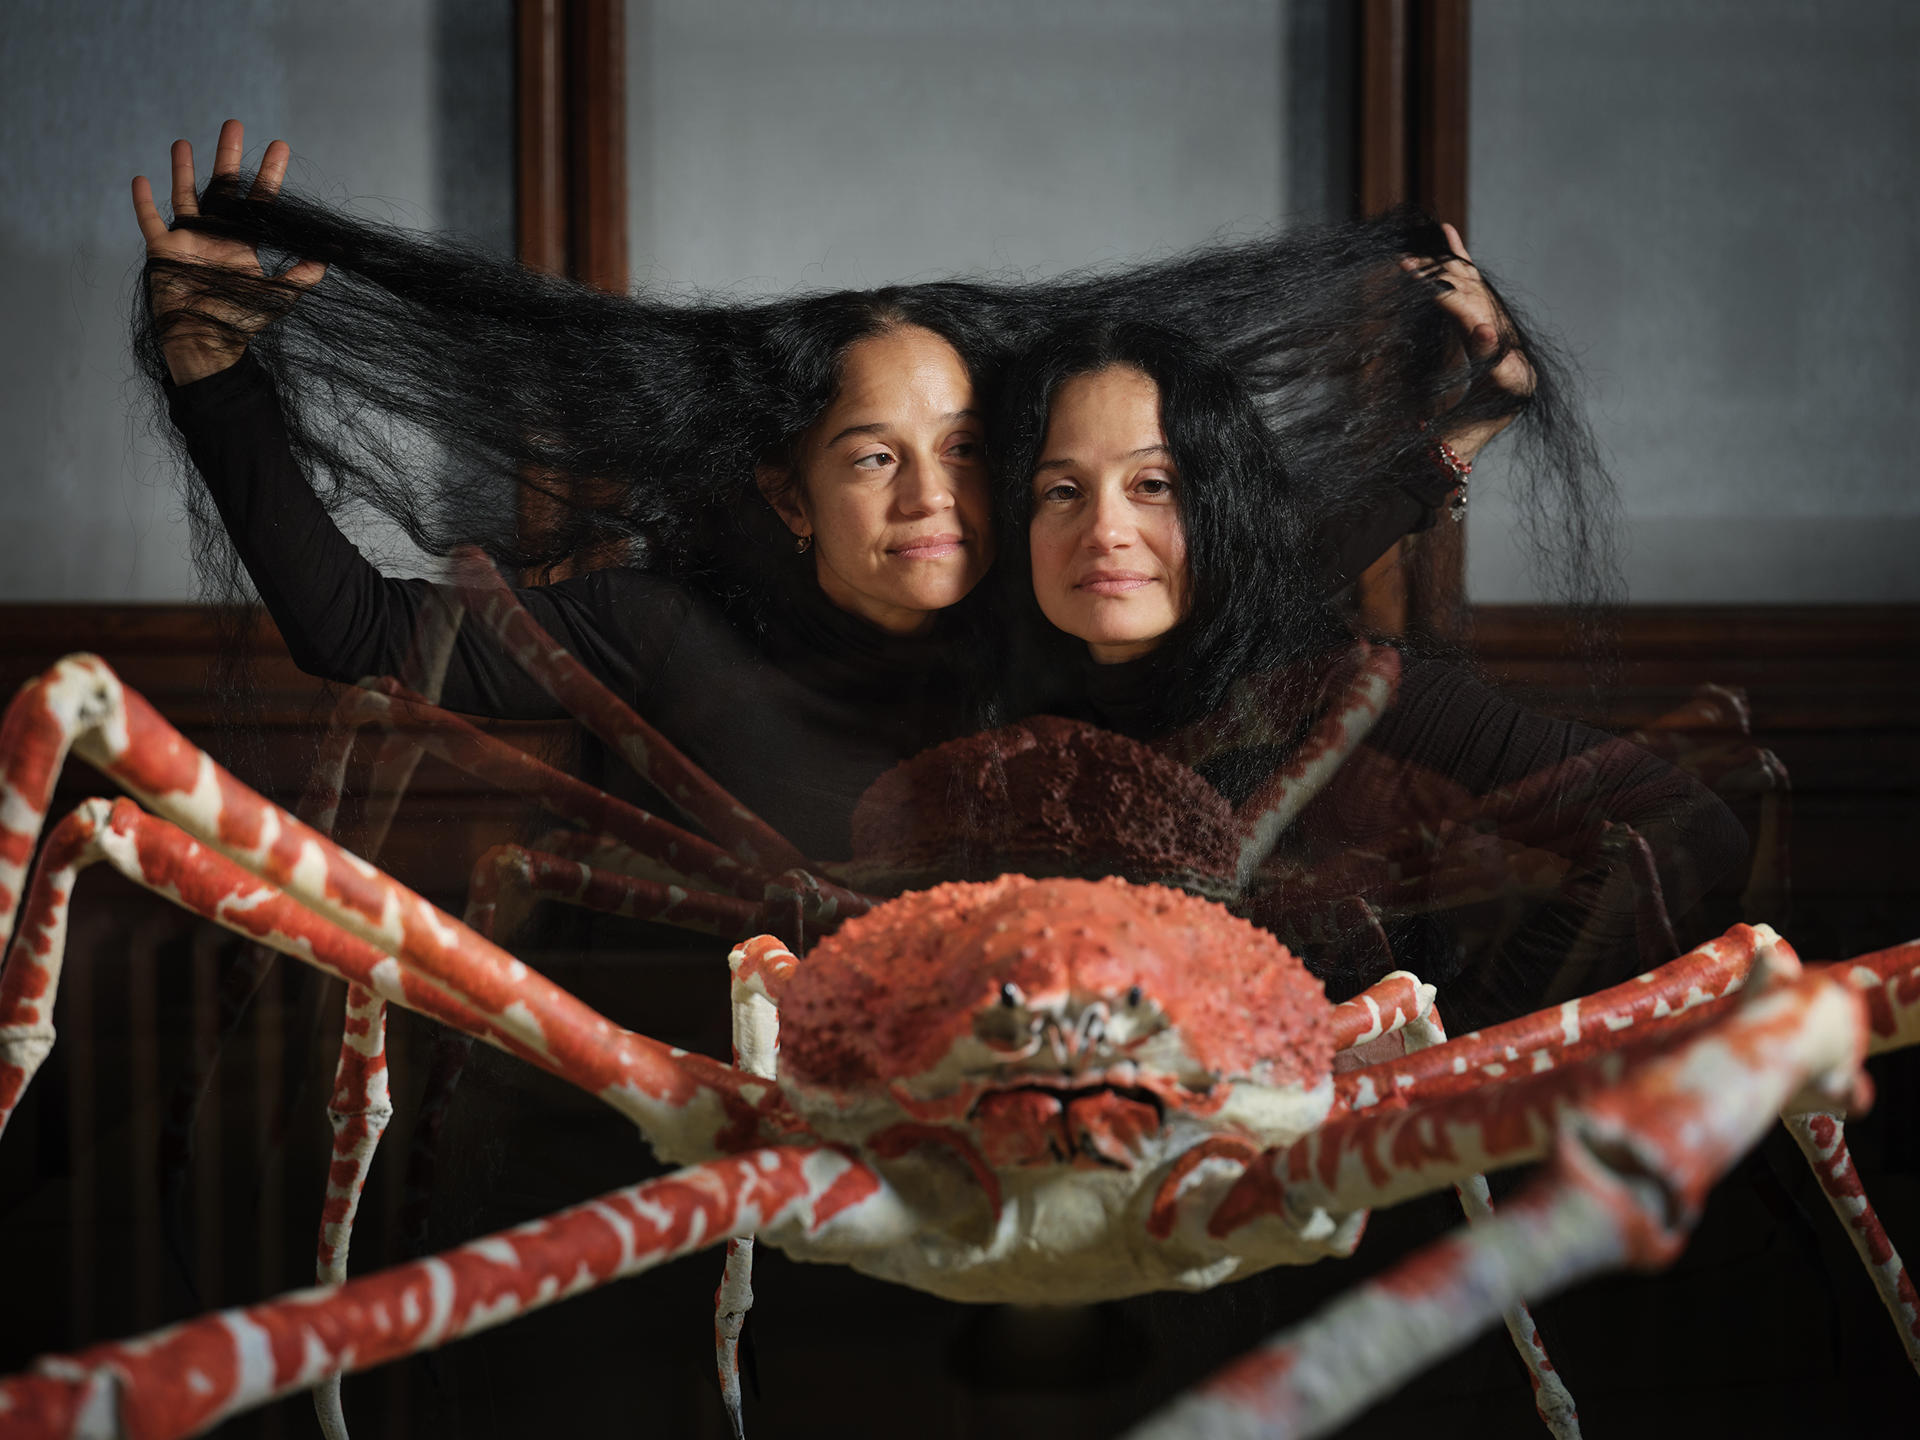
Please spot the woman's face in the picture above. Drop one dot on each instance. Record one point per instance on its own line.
(891, 483)
(1109, 551)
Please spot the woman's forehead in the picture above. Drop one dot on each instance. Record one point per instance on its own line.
(1109, 414)
(904, 374)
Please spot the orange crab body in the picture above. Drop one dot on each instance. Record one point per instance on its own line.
(1048, 1053)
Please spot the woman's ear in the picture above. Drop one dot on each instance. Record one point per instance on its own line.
(779, 487)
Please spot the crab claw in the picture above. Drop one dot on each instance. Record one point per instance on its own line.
(1111, 1128)
(1022, 1127)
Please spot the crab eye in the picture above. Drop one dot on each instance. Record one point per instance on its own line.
(1134, 997)
(1010, 994)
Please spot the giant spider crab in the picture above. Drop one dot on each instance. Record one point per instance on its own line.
(1020, 1088)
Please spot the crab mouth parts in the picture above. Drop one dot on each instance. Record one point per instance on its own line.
(1098, 1125)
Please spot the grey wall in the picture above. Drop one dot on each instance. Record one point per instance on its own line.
(403, 106)
(825, 143)
(1715, 203)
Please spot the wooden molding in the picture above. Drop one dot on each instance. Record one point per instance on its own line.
(1413, 58)
(597, 141)
(540, 161)
(1386, 36)
(570, 127)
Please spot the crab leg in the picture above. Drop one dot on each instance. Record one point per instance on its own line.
(1822, 1138)
(756, 1050)
(1889, 980)
(1266, 814)
(683, 1103)
(1630, 1172)
(360, 1105)
(506, 879)
(1572, 1031)
(1384, 1008)
(1552, 1401)
(651, 754)
(683, 856)
(186, 1379)
(1405, 1127)
(529, 875)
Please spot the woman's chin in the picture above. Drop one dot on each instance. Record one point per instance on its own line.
(939, 592)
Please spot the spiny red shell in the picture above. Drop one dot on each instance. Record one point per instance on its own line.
(1045, 796)
(887, 995)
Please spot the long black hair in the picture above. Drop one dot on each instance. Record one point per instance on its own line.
(456, 393)
(1256, 594)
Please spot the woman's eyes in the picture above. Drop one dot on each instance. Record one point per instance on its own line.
(1153, 485)
(1059, 492)
(881, 459)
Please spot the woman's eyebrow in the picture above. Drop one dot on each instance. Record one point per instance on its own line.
(872, 427)
(880, 427)
(1141, 453)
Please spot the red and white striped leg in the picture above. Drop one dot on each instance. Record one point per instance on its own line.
(186, 1379)
(358, 1110)
(1889, 981)
(759, 967)
(1631, 1170)
(1822, 1138)
(683, 1102)
(1266, 814)
(1576, 1030)
(680, 1101)
(1552, 1401)
(506, 881)
(1384, 1008)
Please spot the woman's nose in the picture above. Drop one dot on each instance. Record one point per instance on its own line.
(1109, 526)
(924, 487)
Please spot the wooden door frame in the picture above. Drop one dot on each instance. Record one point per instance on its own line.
(1411, 145)
(570, 133)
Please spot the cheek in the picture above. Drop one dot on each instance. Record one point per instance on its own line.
(846, 519)
(1046, 550)
(1174, 554)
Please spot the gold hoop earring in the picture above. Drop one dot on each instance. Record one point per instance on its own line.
(803, 544)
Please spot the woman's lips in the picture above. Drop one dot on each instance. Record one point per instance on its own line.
(1114, 582)
(929, 547)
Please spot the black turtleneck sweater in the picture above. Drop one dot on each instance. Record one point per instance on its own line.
(795, 723)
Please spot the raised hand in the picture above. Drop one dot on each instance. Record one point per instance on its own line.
(1463, 294)
(208, 334)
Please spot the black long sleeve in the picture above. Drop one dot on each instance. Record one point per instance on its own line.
(342, 619)
(1405, 508)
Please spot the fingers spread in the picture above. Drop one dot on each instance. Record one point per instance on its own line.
(184, 202)
(226, 154)
(145, 213)
(273, 170)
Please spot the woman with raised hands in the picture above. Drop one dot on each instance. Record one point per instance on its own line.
(788, 496)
